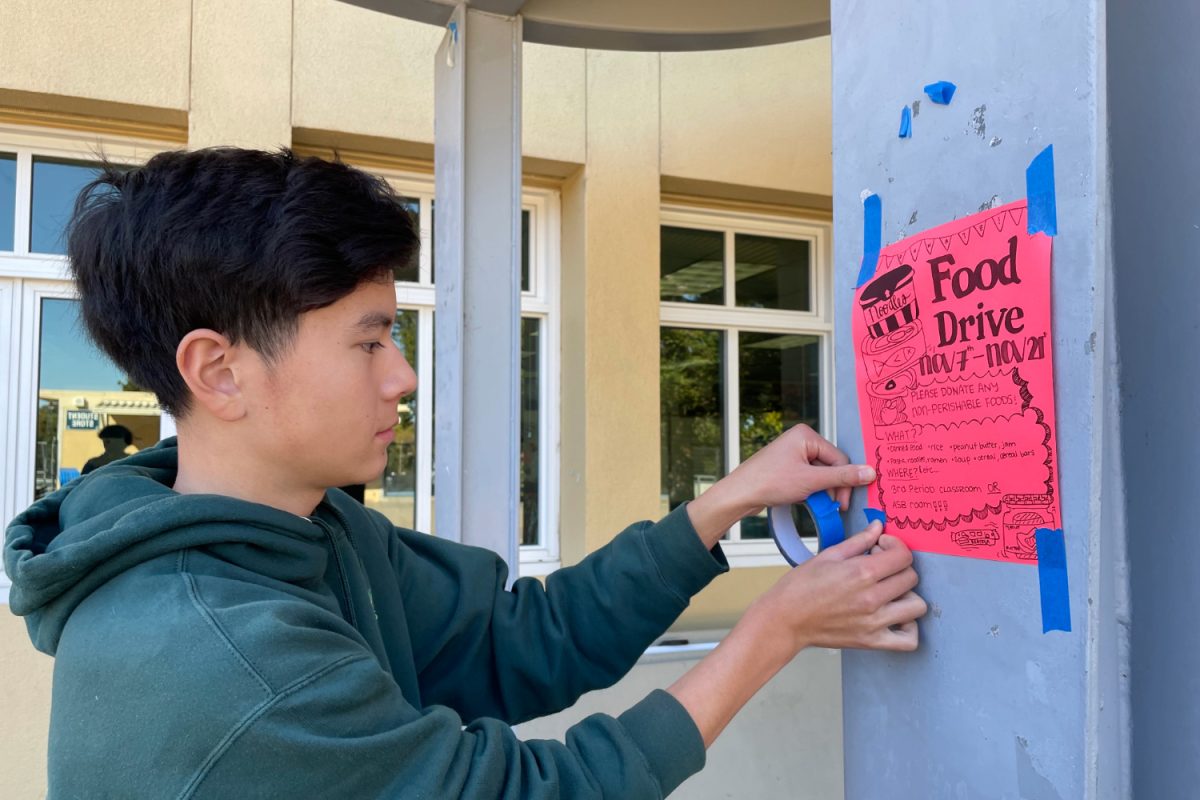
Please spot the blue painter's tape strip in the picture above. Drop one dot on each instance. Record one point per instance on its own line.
(1052, 580)
(828, 516)
(872, 237)
(1042, 215)
(874, 514)
(906, 123)
(941, 92)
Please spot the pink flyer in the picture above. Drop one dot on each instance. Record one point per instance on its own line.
(956, 387)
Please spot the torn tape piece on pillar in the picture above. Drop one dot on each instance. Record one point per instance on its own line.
(906, 123)
(940, 92)
(953, 351)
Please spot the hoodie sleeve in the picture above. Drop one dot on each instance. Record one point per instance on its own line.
(349, 732)
(487, 651)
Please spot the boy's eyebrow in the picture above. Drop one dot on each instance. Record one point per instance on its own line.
(372, 321)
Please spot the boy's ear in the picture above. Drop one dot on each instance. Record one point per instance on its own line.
(209, 366)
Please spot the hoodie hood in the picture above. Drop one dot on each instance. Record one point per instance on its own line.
(71, 542)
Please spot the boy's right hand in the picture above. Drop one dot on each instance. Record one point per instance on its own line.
(855, 594)
(858, 593)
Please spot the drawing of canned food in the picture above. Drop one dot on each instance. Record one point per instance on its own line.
(888, 406)
(890, 302)
(1023, 515)
(894, 352)
(897, 339)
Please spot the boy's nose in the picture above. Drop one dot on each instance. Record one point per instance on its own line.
(402, 379)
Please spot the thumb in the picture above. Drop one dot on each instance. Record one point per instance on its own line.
(857, 544)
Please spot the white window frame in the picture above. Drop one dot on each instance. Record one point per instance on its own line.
(730, 320)
(542, 302)
(25, 280)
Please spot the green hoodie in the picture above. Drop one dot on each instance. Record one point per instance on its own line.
(211, 647)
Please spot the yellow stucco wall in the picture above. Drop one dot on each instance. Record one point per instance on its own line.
(268, 72)
(123, 51)
(756, 117)
(241, 62)
(25, 697)
(362, 72)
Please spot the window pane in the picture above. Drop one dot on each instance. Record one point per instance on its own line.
(692, 266)
(8, 199)
(524, 251)
(410, 273)
(778, 387)
(56, 184)
(81, 393)
(527, 519)
(772, 273)
(394, 492)
(692, 410)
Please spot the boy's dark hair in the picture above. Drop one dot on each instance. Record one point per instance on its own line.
(116, 432)
(239, 241)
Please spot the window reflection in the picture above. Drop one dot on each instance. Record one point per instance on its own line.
(81, 395)
(524, 251)
(772, 273)
(410, 272)
(692, 266)
(692, 410)
(56, 184)
(8, 199)
(394, 492)
(527, 520)
(778, 376)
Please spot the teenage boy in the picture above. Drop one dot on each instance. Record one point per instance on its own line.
(227, 625)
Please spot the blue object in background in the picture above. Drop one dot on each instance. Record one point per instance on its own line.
(906, 123)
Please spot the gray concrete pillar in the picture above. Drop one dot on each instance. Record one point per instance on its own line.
(990, 706)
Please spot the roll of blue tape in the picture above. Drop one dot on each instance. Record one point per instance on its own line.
(825, 513)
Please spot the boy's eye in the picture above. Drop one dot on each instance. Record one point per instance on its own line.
(371, 347)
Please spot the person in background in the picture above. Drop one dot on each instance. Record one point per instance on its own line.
(115, 438)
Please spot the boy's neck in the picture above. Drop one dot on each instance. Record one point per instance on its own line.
(207, 466)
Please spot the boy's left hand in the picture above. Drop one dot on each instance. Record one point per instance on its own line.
(788, 470)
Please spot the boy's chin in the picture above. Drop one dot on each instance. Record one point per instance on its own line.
(365, 473)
